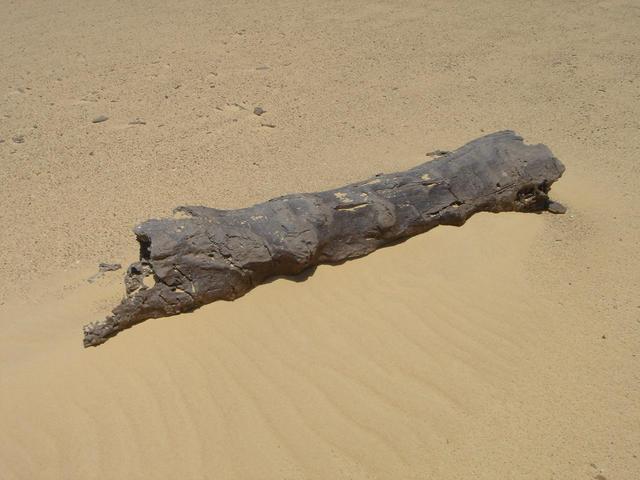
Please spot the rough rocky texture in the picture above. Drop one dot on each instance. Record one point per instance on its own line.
(212, 254)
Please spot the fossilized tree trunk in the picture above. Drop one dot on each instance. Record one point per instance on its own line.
(222, 254)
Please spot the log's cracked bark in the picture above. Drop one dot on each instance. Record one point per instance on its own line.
(211, 254)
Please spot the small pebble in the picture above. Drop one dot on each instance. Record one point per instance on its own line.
(100, 119)
(269, 125)
(259, 111)
(102, 269)
(555, 207)
(137, 121)
(18, 139)
(109, 267)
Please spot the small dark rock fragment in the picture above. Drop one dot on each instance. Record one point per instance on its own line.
(437, 153)
(557, 208)
(137, 121)
(100, 119)
(109, 267)
(18, 139)
(102, 269)
(259, 111)
(269, 125)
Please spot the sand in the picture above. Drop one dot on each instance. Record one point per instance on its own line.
(508, 348)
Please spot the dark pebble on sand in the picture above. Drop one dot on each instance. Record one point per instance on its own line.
(109, 267)
(259, 111)
(555, 207)
(18, 139)
(100, 119)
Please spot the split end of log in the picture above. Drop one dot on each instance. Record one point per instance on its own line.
(209, 254)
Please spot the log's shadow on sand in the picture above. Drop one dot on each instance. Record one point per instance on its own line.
(299, 278)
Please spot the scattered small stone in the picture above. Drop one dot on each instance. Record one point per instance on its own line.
(18, 139)
(109, 267)
(91, 154)
(137, 121)
(604, 337)
(102, 269)
(259, 111)
(100, 119)
(557, 208)
(269, 125)
(437, 153)
(1, 140)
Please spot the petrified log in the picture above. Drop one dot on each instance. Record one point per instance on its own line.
(211, 254)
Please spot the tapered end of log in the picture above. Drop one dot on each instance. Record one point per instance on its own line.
(97, 333)
(208, 254)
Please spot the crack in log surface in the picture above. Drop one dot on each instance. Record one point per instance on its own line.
(208, 254)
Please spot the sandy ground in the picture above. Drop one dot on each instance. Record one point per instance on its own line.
(508, 348)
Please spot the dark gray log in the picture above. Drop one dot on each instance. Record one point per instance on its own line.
(222, 254)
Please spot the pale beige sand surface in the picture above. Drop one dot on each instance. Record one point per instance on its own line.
(508, 348)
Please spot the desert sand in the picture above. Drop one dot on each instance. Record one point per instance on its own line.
(507, 348)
